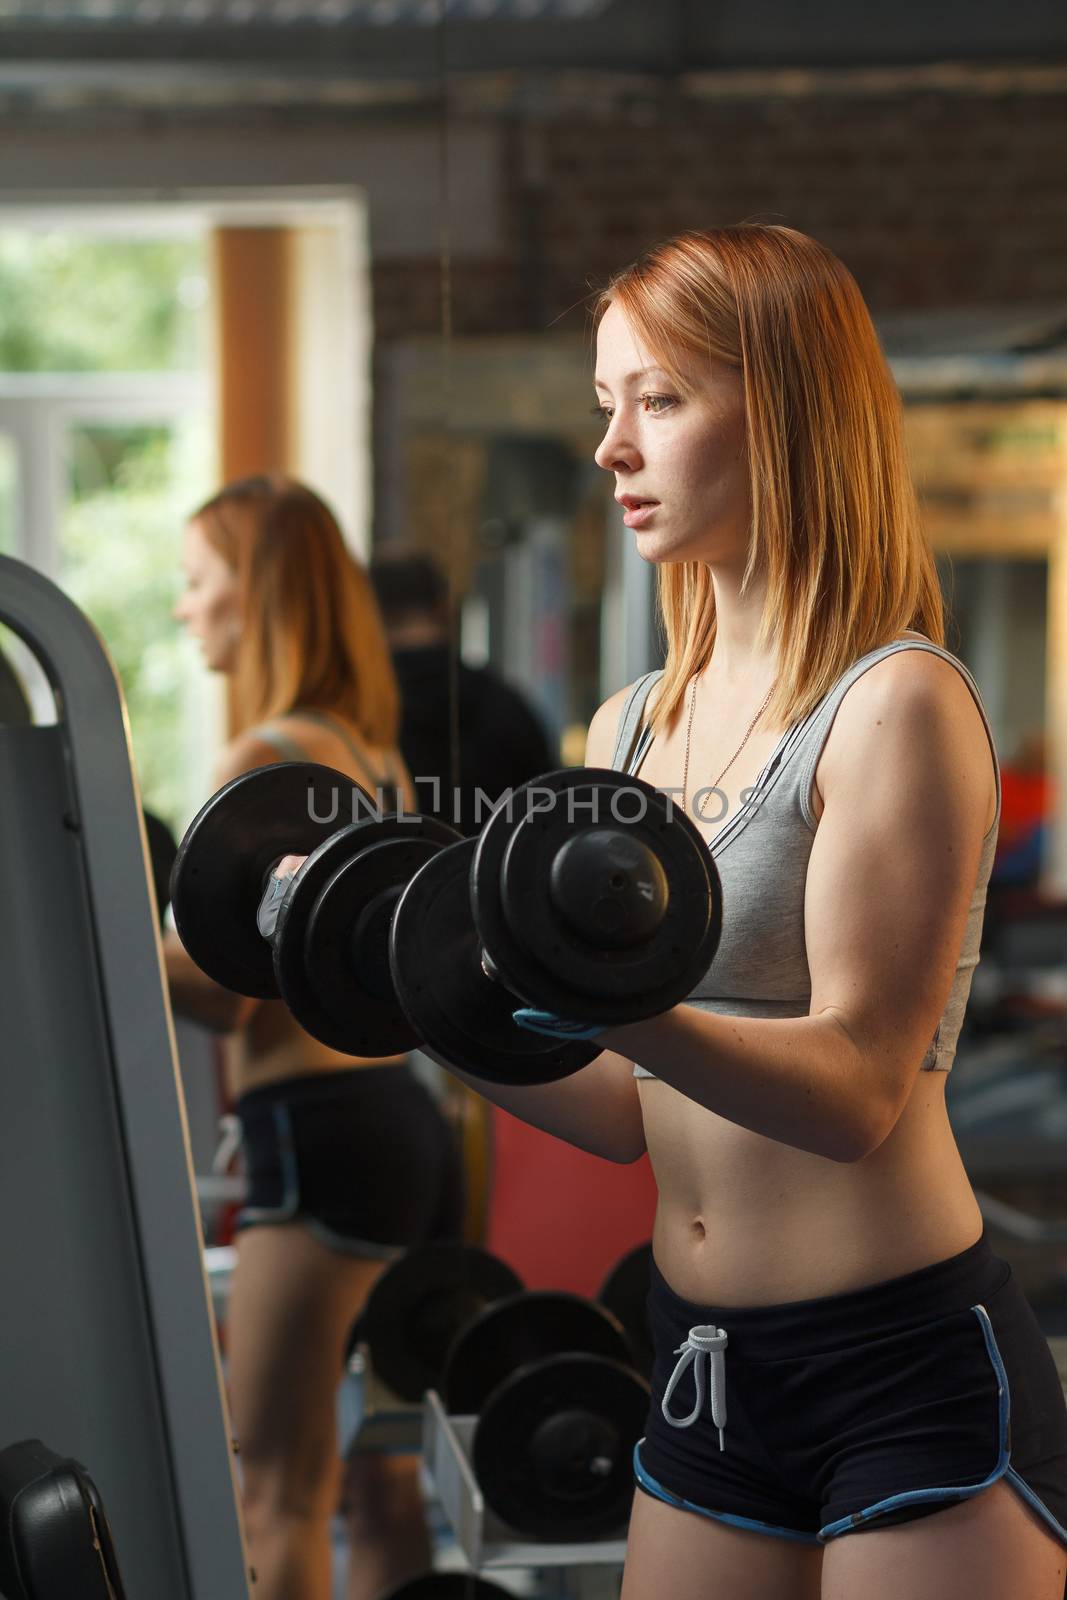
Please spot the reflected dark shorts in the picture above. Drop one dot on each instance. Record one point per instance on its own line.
(863, 1409)
(364, 1159)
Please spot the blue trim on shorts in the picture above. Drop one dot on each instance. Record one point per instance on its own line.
(250, 1216)
(347, 1244)
(1026, 1493)
(915, 1497)
(650, 1486)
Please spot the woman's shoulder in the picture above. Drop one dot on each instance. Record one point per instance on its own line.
(319, 732)
(291, 737)
(609, 710)
(296, 736)
(922, 672)
(339, 742)
(243, 753)
(604, 727)
(915, 704)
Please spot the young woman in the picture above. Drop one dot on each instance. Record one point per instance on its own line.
(349, 1161)
(887, 1420)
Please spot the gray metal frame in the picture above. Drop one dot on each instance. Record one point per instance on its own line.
(107, 1344)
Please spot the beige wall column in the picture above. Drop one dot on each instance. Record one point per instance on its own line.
(294, 356)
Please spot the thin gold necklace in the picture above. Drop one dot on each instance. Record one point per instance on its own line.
(733, 758)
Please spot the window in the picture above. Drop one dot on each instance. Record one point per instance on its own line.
(106, 444)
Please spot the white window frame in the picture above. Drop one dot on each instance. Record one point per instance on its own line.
(38, 409)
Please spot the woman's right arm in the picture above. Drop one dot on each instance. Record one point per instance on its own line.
(598, 1109)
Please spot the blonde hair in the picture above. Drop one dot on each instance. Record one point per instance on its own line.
(311, 633)
(835, 520)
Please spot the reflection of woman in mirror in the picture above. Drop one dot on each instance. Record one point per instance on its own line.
(891, 1423)
(349, 1161)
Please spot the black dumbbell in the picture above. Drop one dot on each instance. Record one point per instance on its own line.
(611, 920)
(560, 1408)
(419, 1306)
(588, 894)
(328, 955)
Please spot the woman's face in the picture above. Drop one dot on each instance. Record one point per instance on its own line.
(680, 467)
(208, 605)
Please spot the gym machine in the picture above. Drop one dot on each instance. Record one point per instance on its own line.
(107, 1342)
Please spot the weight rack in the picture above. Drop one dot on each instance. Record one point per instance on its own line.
(485, 1541)
(377, 1419)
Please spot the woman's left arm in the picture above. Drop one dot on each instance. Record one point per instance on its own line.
(907, 781)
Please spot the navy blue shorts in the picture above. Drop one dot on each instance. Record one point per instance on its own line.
(863, 1409)
(363, 1158)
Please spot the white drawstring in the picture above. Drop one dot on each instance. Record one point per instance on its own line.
(229, 1143)
(710, 1343)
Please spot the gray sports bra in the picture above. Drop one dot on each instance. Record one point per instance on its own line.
(761, 853)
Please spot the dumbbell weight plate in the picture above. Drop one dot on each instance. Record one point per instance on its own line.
(597, 919)
(331, 945)
(419, 1305)
(222, 865)
(624, 1293)
(459, 1013)
(521, 1329)
(553, 1447)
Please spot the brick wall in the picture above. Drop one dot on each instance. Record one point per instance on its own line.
(932, 198)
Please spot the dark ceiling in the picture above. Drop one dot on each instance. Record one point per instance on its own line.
(402, 38)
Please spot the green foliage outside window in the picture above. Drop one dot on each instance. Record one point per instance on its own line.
(91, 304)
(131, 490)
(76, 303)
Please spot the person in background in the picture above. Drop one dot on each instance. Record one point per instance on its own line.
(502, 743)
(349, 1161)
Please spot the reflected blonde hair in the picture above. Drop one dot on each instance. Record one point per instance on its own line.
(835, 520)
(311, 633)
